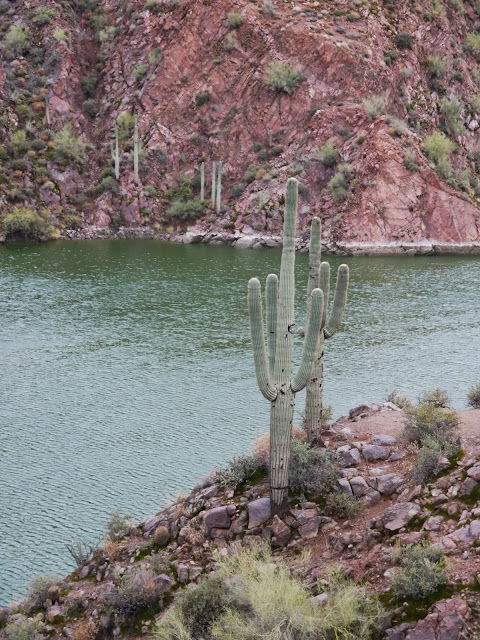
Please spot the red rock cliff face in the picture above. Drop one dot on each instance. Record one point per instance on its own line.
(198, 88)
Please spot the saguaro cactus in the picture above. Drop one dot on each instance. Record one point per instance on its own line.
(137, 146)
(219, 188)
(213, 185)
(116, 155)
(274, 376)
(202, 181)
(319, 277)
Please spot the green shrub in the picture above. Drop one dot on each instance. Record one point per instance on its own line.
(327, 154)
(108, 185)
(397, 126)
(25, 629)
(437, 397)
(472, 43)
(24, 222)
(17, 40)
(3, 153)
(311, 470)
(135, 592)
(39, 587)
(404, 40)
(140, 71)
(474, 396)
(125, 123)
(427, 463)
(423, 571)
(67, 147)
(438, 148)
(237, 190)
(229, 42)
(268, 9)
(235, 20)
(59, 34)
(42, 16)
(353, 16)
(152, 5)
(89, 84)
(400, 399)
(90, 107)
(340, 181)
(186, 210)
(117, 526)
(342, 505)
(373, 106)
(451, 110)
(251, 596)
(410, 161)
(38, 144)
(390, 57)
(202, 98)
(238, 470)
(437, 66)
(18, 144)
(427, 424)
(280, 77)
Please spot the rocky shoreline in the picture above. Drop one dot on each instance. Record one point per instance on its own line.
(253, 241)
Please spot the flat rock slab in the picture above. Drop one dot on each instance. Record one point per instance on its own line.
(399, 515)
(384, 440)
(372, 452)
(258, 512)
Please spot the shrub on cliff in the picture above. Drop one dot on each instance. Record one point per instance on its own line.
(373, 106)
(42, 16)
(427, 424)
(280, 77)
(253, 596)
(340, 182)
(404, 40)
(117, 526)
(438, 149)
(423, 571)
(312, 470)
(135, 592)
(24, 222)
(25, 629)
(235, 20)
(67, 147)
(427, 463)
(400, 399)
(89, 84)
(39, 588)
(16, 41)
(186, 210)
(451, 111)
(327, 154)
(239, 470)
(18, 144)
(437, 397)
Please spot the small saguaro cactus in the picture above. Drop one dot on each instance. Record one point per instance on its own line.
(202, 181)
(137, 146)
(219, 187)
(274, 374)
(116, 155)
(319, 278)
(213, 185)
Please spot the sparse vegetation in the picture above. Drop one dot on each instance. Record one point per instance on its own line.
(25, 222)
(327, 154)
(451, 110)
(251, 596)
(239, 470)
(427, 463)
(67, 147)
(191, 209)
(422, 572)
(374, 106)
(280, 77)
(312, 470)
(410, 161)
(342, 505)
(235, 20)
(39, 587)
(427, 424)
(436, 397)
(136, 591)
(17, 40)
(474, 396)
(404, 40)
(400, 399)
(438, 149)
(24, 628)
(268, 9)
(117, 526)
(41, 17)
(340, 182)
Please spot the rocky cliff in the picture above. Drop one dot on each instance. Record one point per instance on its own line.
(375, 80)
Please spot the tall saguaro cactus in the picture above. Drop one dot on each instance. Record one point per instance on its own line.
(213, 185)
(219, 188)
(116, 156)
(274, 375)
(319, 278)
(202, 181)
(137, 146)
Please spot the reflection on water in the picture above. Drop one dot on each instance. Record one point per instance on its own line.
(127, 373)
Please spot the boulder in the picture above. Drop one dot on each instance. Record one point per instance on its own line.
(399, 515)
(372, 452)
(217, 518)
(258, 512)
(161, 536)
(467, 487)
(281, 532)
(310, 528)
(386, 484)
(343, 486)
(349, 458)
(359, 486)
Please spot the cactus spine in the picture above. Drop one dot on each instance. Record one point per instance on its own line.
(116, 156)
(202, 181)
(319, 277)
(219, 187)
(213, 185)
(274, 375)
(137, 143)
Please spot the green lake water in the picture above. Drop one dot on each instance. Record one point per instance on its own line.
(126, 373)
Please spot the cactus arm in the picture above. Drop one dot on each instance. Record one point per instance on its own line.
(325, 287)
(339, 301)
(271, 307)
(314, 319)
(258, 341)
(286, 293)
(213, 185)
(315, 256)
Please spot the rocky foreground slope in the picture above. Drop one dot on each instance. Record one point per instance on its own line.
(178, 546)
(373, 79)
